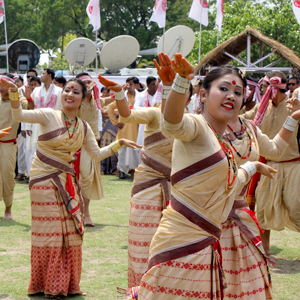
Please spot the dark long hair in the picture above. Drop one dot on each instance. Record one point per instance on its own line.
(222, 71)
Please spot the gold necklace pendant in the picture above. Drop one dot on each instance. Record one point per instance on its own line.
(228, 188)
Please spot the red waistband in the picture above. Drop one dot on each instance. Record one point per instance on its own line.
(286, 161)
(9, 141)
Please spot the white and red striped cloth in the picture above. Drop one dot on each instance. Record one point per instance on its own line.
(275, 82)
(257, 96)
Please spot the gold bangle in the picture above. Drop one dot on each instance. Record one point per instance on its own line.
(115, 146)
(13, 96)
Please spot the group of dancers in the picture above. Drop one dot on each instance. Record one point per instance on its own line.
(191, 233)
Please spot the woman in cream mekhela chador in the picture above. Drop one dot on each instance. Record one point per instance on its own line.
(151, 187)
(244, 259)
(184, 257)
(57, 226)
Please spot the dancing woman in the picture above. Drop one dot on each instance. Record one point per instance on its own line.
(151, 187)
(57, 226)
(184, 258)
(244, 259)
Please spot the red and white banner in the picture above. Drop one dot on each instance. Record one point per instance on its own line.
(93, 12)
(296, 9)
(220, 13)
(1, 11)
(199, 11)
(159, 13)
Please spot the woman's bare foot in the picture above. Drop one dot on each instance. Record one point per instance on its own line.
(82, 293)
(88, 222)
(7, 213)
(7, 216)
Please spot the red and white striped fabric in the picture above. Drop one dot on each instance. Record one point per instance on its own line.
(95, 89)
(275, 82)
(257, 90)
(159, 13)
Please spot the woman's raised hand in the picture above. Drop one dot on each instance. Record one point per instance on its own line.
(294, 105)
(4, 132)
(183, 67)
(8, 85)
(111, 85)
(164, 69)
(27, 92)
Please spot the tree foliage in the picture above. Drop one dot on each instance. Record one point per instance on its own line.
(274, 19)
(46, 21)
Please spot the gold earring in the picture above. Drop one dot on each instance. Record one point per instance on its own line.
(203, 100)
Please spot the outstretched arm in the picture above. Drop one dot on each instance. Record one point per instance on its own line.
(122, 104)
(97, 153)
(174, 108)
(166, 74)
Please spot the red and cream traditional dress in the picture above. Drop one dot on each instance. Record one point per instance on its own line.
(57, 229)
(244, 259)
(277, 199)
(183, 261)
(150, 191)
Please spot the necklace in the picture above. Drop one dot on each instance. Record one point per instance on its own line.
(67, 121)
(238, 135)
(231, 144)
(230, 159)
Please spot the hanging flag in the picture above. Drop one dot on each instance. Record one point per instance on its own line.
(159, 13)
(1, 11)
(296, 9)
(199, 12)
(220, 13)
(93, 12)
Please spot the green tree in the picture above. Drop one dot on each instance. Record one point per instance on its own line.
(276, 21)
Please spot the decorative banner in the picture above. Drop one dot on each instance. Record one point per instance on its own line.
(296, 9)
(220, 13)
(1, 11)
(159, 13)
(199, 12)
(93, 12)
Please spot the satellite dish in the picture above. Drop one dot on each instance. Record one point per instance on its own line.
(23, 55)
(119, 52)
(80, 52)
(178, 39)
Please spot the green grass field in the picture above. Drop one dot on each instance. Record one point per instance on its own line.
(105, 249)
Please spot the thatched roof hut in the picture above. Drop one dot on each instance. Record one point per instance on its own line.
(231, 48)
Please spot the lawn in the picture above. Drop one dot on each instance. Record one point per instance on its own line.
(105, 249)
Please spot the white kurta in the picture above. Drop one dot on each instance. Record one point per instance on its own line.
(35, 128)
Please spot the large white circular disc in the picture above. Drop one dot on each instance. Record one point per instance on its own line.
(81, 51)
(119, 52)
(182, 37)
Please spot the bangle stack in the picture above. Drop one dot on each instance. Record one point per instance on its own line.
(115, 146)
(13, 96)
(120, 95)
(290, 124)
(250, 168)
(181, 85)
